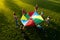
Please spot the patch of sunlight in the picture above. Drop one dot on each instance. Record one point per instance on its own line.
(26, 6)
(5, 10)
(56, 1)
(2, 4)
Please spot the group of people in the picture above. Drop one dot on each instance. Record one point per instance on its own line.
(23, 27)
(24, 12)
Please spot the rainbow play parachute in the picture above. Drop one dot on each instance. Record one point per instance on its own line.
(31, 19)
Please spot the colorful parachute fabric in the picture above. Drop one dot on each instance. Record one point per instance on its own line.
(31, 19)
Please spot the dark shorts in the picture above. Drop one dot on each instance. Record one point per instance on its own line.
(16, 22)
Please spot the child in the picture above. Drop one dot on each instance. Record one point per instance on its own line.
(22, 30)
(23, 11)
(22, 27)
(42, 13)
(36, 7)
(16, 19)
(47, 20)
(40, 28)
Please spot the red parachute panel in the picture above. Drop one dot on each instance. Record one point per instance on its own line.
(30, 23)
(31, 13)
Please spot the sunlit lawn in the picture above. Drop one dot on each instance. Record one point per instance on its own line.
(8, 29)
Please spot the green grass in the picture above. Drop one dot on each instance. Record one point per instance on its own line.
(8, 30)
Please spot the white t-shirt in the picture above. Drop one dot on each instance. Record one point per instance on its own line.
(39, 26)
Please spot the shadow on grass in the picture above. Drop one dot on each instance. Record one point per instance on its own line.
(6, 30)
(3, 19)
(44, 4)
(54, 24)
(3, 25)
(48, 34)
(58, 28)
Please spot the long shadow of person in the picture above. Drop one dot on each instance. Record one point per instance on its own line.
(24, 34)
(26, 37)
(48, 34)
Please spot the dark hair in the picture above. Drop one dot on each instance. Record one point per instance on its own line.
(49, 16)
(14, 13)
(36, 7)
(23, 11)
